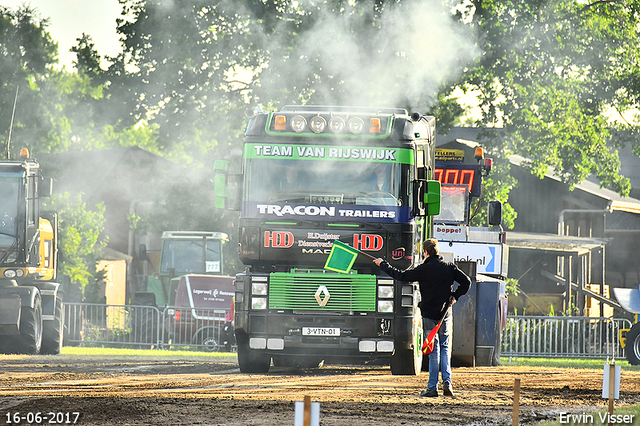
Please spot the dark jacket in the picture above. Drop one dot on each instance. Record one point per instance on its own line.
(436, 278)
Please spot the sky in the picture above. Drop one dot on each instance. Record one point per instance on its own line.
(68, 19)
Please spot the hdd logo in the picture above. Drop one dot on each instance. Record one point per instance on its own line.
(367, 242)
(278, 239)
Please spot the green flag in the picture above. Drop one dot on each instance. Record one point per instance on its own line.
(341, 258)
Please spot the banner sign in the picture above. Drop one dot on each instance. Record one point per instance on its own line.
(328, 152)
(489, 257)
(328, 213)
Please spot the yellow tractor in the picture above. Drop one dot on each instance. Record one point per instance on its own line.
(31, 311)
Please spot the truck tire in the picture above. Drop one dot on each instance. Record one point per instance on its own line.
(30, 339)
(408, 361)
(52, 331)
(251, 360)
(633, 345)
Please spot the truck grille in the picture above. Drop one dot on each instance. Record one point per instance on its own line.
(297, 291)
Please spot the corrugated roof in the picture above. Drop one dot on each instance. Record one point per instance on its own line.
(622, 221)
(616, 202)
(554, 243)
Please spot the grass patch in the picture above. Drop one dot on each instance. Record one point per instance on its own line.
(86, 351)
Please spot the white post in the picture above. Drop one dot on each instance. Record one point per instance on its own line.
(307, 413)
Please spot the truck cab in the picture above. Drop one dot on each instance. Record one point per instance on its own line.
(480, 316)
(182, 252)
(312, 175)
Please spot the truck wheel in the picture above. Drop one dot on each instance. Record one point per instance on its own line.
(251, 360)
(30, 339)
(408, 361)
(633, 345)
(52, 331)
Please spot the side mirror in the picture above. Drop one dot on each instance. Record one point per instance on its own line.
(494, 213)
(45, 188)
(432, 197)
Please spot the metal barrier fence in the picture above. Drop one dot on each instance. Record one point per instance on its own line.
(579, 337)
(137, 326)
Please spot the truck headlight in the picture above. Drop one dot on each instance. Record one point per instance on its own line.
(355, 125)
(385, 305)
(12, 273)
(259, 289)
(318, 124)
(258, 303)
(385, 292)
(298, 123)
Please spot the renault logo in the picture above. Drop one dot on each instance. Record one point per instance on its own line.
(322, 291)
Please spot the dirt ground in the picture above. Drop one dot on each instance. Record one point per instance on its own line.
(177, 391)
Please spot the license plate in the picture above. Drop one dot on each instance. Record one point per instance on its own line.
(320, 331)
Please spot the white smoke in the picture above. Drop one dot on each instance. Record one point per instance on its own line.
(417, 47)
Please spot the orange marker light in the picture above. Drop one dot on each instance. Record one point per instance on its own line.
(479, 154)
(281, 122)
(374, 125)
(24, 153)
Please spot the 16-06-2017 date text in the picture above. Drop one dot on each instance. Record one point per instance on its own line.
(37, 418)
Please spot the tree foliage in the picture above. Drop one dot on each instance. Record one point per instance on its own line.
(80, 236)
(550, 73)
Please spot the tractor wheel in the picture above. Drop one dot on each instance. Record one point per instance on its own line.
(30, 339)
(52, 335)
(633, 345)
(210, 339)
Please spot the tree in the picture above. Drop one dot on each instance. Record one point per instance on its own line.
(80, 239)
(199, 64)
(26, 52)
(549, 74)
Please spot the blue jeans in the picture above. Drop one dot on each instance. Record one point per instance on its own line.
(440, 357)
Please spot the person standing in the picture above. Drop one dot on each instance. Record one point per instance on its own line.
(436, 278)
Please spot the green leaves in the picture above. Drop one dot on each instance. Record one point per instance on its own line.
(80, 236)
(550, 72)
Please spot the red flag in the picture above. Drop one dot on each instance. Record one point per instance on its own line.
(427, 346)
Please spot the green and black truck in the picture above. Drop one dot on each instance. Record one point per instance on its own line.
(312, 175)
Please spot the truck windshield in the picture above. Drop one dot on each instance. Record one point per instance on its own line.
(9, 188)
(186, 256)
(454, 205)
(323, 182)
